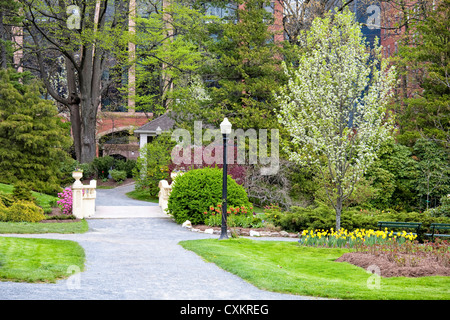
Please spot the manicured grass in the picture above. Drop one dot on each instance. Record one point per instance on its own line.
(38, 260)
(142, 195)
(287, 267)
(37, 227)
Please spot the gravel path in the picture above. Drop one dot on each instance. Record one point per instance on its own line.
(139, 258)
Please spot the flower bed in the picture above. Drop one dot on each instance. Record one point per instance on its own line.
(393, 254)
(344, 238)
(241, 221)
(240, 216)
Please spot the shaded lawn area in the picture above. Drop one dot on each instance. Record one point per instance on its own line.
(142, 195)
(43, 200)
(287, 267)
(38, 260)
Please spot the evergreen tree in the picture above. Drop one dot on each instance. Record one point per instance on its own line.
(167, 51)
(241, 68)
(32, 140)
(8, 17)
(427, 113)
(433, 179)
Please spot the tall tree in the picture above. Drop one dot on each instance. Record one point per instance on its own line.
(433, 168)
(32, 140)
(167, 39)
(75, 39)
(426, 112)
(335, 105)
(241, 67)
(8, 19)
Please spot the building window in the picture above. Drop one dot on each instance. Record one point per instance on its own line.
(222, 12)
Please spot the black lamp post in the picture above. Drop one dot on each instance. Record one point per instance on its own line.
(225, 129)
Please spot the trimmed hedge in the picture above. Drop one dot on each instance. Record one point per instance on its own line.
(196, 190)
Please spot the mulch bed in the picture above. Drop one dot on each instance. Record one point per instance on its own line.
(56, 212)
(407, 265)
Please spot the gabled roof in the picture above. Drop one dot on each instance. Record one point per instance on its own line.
(164, 122)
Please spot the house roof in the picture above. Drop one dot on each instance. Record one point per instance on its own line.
(164, 122)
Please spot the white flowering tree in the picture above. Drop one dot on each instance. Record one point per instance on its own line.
(335, 104)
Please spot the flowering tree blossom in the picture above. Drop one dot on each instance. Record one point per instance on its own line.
(335, 104)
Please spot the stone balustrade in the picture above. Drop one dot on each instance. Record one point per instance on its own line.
(164, 190)
(83, 197)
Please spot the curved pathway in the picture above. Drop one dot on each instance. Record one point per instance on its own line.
(138, 258)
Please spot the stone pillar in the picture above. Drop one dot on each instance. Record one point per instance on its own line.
(77, 195)
(164, 190)
(83, 197)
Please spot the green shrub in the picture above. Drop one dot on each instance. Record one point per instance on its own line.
(22, 211)
(127, 166)
(443, 210)
(321, 216)
(33, 140)
(66, 168)
(152, 165)
(88, 171)
(102, 165)
(117, 175)
(21, 192)
(298, 219)
(196, 190)
(6, 199)
(3, 211)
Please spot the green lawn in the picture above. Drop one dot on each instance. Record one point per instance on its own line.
(287, 267)
(38, 260)
(142, 195)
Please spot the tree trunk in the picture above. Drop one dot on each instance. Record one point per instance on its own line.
(88, 129)
(339, 205)
(338, 214)
(76, 128)
(74, 107)
(3, 54)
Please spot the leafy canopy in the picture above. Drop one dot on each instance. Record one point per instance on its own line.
(335, 104)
